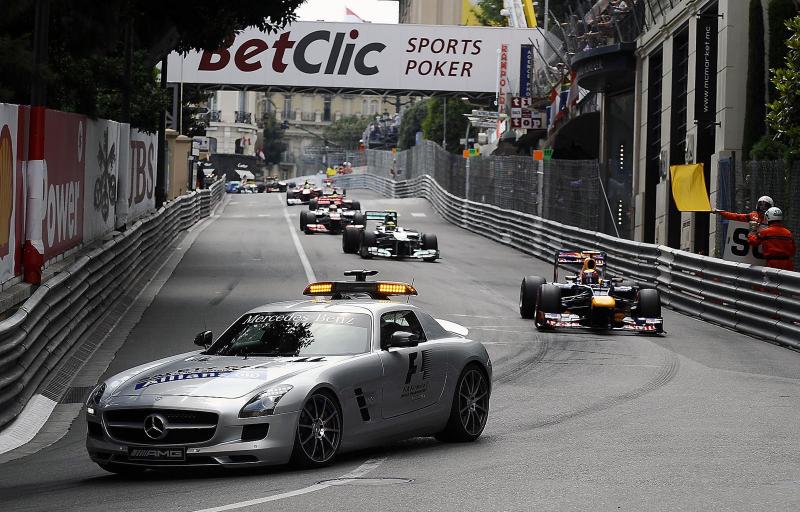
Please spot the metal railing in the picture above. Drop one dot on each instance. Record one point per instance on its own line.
(35, 339)
(243, 117)
(759, 301)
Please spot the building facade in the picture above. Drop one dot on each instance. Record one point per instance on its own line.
(428, 12)
(232, 124)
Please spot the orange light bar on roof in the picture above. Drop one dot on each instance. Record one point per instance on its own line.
(323, 288)
(389, 288)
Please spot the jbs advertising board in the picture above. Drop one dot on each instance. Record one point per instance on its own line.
(362, 55)
(137, 176)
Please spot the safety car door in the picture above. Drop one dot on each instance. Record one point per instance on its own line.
(413, 377)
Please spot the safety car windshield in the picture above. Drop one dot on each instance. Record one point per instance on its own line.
(309, 333)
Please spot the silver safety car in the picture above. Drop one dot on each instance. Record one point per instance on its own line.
(298, 381)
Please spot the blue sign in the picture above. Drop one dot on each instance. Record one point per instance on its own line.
(525, 70)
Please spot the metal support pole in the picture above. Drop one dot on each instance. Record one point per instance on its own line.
(444, 126)
(161, 172)
(546, 10)
(466, 180)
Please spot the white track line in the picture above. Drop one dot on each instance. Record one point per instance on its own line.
(300, 251)
(360, 471)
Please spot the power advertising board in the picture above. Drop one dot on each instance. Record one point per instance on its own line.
(101, 179)
(137, 175)
(12, 190)
(64, 154)
(359, 56)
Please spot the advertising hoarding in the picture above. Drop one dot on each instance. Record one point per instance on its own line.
(359, 56)
(12, 190)
(136, 185)
(101, 177)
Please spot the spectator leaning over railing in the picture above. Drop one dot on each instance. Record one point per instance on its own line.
(777, 242)
(755, 218)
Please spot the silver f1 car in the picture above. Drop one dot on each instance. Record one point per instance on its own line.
(587, 299)
(297, 381)
(388, 240)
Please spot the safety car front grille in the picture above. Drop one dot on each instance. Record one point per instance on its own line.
(182, 427)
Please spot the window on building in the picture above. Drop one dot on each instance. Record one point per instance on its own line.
(364, 107)
(373, 107)
(326, 107)
(287, 106)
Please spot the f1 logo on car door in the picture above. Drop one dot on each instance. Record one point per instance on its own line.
(416, 388)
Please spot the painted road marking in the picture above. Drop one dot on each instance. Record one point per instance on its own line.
(418, 214)
(347, 478)
(264, 215)
(300, 251)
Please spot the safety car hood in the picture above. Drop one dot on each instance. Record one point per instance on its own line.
(217, 376)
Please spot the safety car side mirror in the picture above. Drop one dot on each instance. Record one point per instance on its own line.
(402, 339)
(203, 339)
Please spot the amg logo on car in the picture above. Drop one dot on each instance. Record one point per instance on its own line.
(149, 453)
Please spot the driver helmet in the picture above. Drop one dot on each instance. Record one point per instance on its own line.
(764, 203)
(589, 273)
(389, 222)
(332, 206)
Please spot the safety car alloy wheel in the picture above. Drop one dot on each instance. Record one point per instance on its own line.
(319, 432)
(470, 407)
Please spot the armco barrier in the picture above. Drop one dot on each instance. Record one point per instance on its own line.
(37, 336)
(759, 301)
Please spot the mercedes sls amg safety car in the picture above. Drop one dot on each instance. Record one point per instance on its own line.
(302, 194)
(388, 240)
(330, 215)
(297, 381)
(587, 299)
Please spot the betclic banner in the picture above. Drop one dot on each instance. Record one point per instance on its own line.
(12, 190)
(101, 177)
(359, 56)
(136, 185)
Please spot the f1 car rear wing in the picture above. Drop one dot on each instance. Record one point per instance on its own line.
(381, 216)
(566, 257)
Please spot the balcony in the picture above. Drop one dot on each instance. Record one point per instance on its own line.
(215, 116)
(308, 116)
(243, 117)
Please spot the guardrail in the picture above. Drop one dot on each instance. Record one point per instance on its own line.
(43, 330)
(759, 301)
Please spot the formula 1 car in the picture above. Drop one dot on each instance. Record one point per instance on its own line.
(298, 381)
(587, 299)
(330, 216)
(272, 184)
(338, 199)
(302, 194)
(388, 240)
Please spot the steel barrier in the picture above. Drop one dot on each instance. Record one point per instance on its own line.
(35, 339)
(759, 301)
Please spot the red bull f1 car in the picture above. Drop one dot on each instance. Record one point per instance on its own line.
(587, 299)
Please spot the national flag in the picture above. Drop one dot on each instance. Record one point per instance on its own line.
(351, 17)
(572, 99)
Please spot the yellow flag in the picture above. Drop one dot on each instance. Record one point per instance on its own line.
(689, 188)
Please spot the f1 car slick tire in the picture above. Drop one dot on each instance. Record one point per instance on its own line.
(359, 219)
(355, 205)
(367, 241)
(529, 295)
(289, 195)
(429, 242)
(307, 217)
(319, 431)
(649, 304)
(350, 239)
(549, 302)
(313, 204)
(121, 469)
(470, 408)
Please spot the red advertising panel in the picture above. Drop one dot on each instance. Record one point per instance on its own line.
(12, 190)
(64, 154)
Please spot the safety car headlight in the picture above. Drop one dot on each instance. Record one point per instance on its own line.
(94, 397)
(263, 404)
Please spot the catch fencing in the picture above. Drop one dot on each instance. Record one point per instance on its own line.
(36, 338)
(569, 189)
(754, 300)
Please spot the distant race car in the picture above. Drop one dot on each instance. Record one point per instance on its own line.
(330, 215)
(388, 240)
(302, 194)
(337, 199)
(272, 184)
(587, 299)
(298, 381)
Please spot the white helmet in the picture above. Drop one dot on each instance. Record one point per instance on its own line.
(764, 203)
(773, 214)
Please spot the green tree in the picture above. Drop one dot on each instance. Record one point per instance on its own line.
(778, 12)
(347, 131)
(411, 123)
(784, 111)
(89, 42)
(272, 140)
(755, 108)
(433, 127)
(488, 13)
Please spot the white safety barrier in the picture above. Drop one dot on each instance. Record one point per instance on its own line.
(35, 339)
(759, 301)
